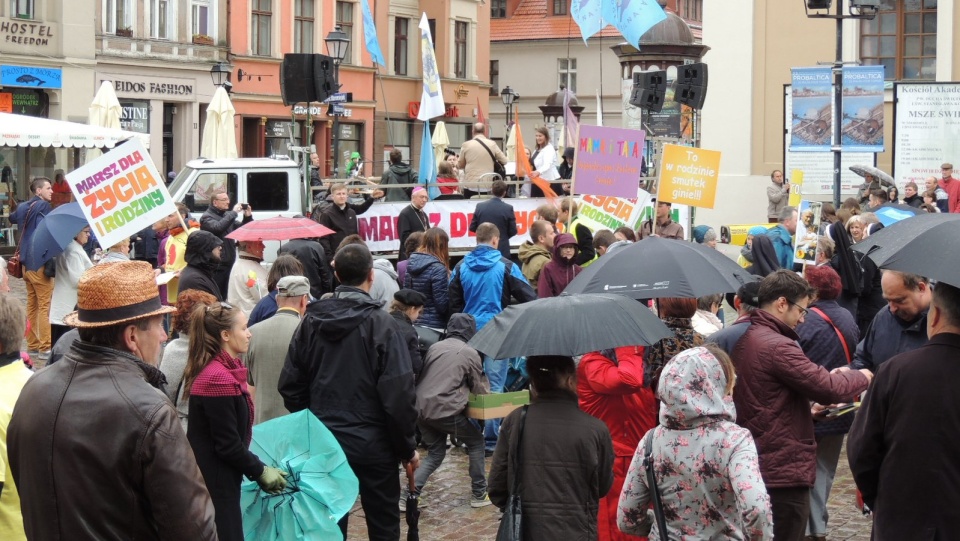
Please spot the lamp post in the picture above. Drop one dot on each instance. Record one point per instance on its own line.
(859, 9)
(220, 74)
(337, 43)
(509, 96)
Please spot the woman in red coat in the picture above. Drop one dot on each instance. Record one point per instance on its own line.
(610, 387)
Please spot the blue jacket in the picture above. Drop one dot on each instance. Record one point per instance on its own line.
(783, 243)
(428, 275)
(887, 336)
(483, 282)
(265, 309)
(40, 209)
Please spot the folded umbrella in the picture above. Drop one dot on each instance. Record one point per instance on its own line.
(54, 232)
(412, 513)
(569, 325)
(321, 487)
(918, 245)
(656, 267)
(280, 228)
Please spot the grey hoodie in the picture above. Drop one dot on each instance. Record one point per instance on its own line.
(384, 283)
(451, 371)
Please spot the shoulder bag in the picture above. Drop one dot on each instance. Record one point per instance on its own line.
(846, 348)
(14, 266)
(511, 524)
(654, 490)
(498, 167)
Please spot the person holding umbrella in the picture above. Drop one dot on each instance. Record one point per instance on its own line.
(28, 216)
(71, 265)
(677, 314)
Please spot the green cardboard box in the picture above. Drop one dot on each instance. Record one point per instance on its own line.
(495, 405)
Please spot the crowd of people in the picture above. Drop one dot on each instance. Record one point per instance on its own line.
(149, 394)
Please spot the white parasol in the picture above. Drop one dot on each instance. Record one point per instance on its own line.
(440, 142)
(219, 135)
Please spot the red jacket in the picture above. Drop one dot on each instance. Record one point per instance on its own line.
(775, 384)
(614, 393)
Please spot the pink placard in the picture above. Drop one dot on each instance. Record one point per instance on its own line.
(607, 161)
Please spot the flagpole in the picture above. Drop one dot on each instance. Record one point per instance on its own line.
(573, 182)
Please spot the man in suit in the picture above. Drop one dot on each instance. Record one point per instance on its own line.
(902, 448)
(498, 213)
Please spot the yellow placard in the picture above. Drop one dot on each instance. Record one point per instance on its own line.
(688, 176)
(796, 188)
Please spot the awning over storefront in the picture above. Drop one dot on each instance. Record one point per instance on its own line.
(29, 131)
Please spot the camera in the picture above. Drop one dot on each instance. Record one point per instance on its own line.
(245, 206)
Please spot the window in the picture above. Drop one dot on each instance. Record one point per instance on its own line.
(494, 77)
(401, 28)
(460, 63)
(692, 10)
(345, 20)
(197, 198)
(567, 73)
(117, 16)
(21, 9)
(260, 23)
(498, 9)
(200, 19)
(559, 7)
(160, 19)
(268, 190)
(902, 38)
(303, 26)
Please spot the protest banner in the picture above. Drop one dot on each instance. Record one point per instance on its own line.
(378, 226)
(808, 226)
(121, 192)
(607, 161)
(796, 188)
(688, 176)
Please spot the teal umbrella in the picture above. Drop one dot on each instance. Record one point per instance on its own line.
(321, 487)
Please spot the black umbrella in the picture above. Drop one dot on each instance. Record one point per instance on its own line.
(569, 325)
(919, 245)
(656, 267)
(412, 513)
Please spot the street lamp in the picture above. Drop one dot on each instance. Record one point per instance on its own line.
(820, 9)
(509, 96)
(220, 74)
(337, 43)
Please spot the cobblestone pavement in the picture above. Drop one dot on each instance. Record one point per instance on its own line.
(448, 514)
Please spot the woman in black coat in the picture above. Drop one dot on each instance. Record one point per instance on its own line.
(203, 257)
(221, 413)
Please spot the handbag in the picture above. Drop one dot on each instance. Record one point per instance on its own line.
(511, 524)
(498, 167)
(14, 266)
(654, 490)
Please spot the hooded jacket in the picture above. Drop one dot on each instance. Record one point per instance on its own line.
(426, 274)
(783, 244)
(384, 283)
(451, 371)
(483, 283)
(399, 173)
(705, 465)
(349, 365)
(533, 257)
(201, 264)
(559, 271)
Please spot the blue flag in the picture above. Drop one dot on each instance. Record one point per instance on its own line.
(370, 35)
(586, 13)
(428, 166)
(632, 17)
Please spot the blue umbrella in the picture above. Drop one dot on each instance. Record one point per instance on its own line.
(891, 213)
(54, 232)
(321, 487)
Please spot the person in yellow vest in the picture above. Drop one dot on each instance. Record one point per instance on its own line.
(13, 376)
(582, 233)
(176, 247)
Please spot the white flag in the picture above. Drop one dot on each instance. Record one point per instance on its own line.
(431, 101)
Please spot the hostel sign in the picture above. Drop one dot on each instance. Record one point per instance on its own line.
(121, 192)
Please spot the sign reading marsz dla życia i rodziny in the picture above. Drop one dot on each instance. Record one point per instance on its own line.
(121, 193)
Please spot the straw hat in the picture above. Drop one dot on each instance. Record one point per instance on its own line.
(116, 293)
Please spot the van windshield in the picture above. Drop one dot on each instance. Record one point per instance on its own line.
(181, 178)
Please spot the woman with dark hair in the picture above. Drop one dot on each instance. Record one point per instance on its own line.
(221, 413)
(409, 246)
(284, 265)
(677, 315)
(566, 457)
(428, 273)
(174, 359)
(544, 160)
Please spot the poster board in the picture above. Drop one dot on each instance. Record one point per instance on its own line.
(926, 130)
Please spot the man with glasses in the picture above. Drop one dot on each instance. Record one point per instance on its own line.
(221, 221)
(775, 385)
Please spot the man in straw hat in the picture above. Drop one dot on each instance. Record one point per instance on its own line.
(94, 445)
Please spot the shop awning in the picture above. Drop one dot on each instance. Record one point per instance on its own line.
(29, 131)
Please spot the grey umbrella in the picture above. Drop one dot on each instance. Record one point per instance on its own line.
(918, 245)
(864, 170)
(569, 325)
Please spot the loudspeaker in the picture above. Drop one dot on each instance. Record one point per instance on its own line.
(691, 85)
(649, 88)
(818, 4)
(296, 79)
(324, 80)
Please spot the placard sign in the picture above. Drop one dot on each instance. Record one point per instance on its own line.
(607, 161)
(688, 176)
(121, 192)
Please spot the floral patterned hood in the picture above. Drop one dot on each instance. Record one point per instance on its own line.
(691, 390)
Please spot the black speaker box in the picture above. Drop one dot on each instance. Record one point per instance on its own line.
(296, 79)
(324, 80)
(649, 89)
(691, 85)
